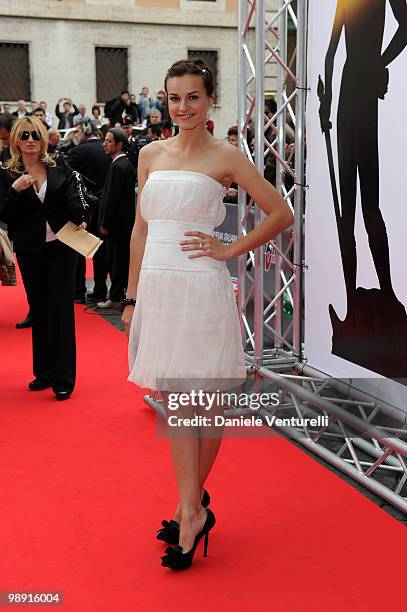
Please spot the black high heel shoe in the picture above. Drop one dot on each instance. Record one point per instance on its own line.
(176, 559)
(169, 531)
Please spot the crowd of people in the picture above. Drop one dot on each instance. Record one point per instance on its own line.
(144, 119)
(134, 115)
(115, 110)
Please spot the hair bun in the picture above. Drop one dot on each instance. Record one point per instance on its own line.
(201, 65)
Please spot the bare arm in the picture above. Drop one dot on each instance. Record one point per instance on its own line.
(399, 40)
(279, 215)
(137, 241)
(57, 111)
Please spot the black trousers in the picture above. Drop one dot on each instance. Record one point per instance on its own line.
(99, 274)
(118, 257)
(100, 270)
(49, 279)
(80, 278)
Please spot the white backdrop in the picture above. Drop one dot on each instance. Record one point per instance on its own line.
(324, 281)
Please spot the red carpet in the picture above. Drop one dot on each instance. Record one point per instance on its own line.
(85, 484)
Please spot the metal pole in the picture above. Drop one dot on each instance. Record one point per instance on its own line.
(299, 196)
(281, 79)
(242, 97)
(259, 160)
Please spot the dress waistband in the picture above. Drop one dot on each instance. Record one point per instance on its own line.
(163, 251)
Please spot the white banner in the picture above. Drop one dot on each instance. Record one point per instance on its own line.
(356, 209)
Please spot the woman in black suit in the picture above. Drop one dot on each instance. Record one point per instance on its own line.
(34, 205)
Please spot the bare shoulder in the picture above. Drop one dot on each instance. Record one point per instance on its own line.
(224, 150)
(150, 151)
(228, 157)
(215, 147)
(220, 146)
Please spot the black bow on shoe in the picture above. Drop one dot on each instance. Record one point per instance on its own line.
(169, 532)
(172, 556)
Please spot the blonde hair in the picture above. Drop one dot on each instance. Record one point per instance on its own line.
(15, 164)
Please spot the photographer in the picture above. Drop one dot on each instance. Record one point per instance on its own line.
(115, 108)
(66, 117)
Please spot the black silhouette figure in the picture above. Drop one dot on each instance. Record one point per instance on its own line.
(375, 319)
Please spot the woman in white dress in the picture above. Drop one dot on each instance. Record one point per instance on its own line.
(183, 328)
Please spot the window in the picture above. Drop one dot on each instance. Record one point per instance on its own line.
(211, 60)
(15, 72)
(111, 72)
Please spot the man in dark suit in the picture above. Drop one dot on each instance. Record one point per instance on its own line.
(117, 213)
(89, 159)
(66, 117)
(21, 110)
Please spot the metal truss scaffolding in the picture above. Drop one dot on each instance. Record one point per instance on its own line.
(260, 47)
(365, 438)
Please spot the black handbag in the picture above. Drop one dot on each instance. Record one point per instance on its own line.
(81, 202)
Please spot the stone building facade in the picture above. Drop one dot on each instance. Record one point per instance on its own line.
(61, 38)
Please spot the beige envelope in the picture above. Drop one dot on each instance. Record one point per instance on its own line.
(80, 240)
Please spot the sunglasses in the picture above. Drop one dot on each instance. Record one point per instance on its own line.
(26, 135)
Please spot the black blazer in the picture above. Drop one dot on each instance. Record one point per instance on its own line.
(118, 199)
(90, 160)
(26, 114)
(26, 215)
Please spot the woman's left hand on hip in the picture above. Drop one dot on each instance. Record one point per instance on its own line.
(207, 245)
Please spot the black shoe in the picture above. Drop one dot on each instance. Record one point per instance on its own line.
(79, 300)
(169, 531)
(62, 395)
(26, 323)
(38, 384)
(176, 559)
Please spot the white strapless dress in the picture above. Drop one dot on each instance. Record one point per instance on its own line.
(185, 324)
